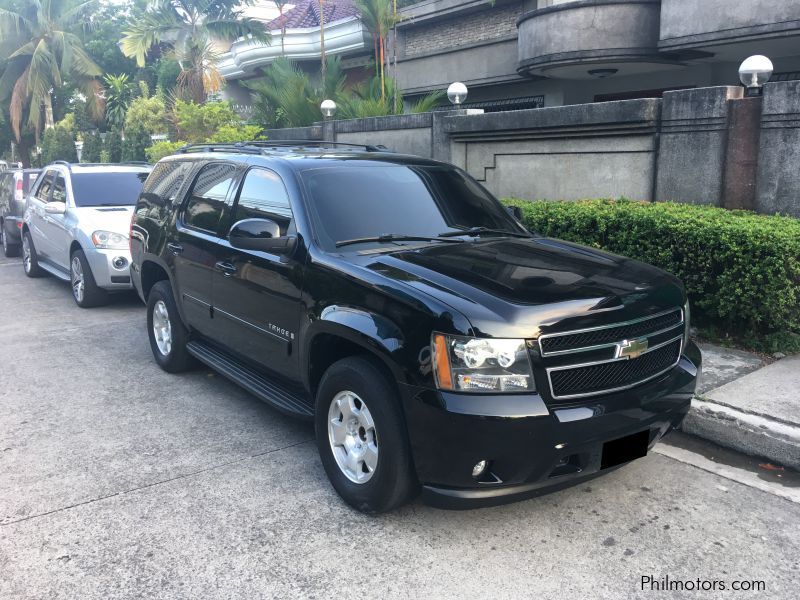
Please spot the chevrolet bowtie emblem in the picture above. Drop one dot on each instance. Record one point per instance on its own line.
(632, 348)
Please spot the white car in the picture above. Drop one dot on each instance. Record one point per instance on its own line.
(76, 226)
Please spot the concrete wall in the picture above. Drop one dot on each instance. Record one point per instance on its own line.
(688, 23)
(778, 181)
(700, 146)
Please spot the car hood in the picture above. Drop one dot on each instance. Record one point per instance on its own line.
(109, 218)
(514, 287)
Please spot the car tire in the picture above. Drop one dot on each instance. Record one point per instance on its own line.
(30, 261)
(362, 438)
(11, 250)
(85, 290)
(166, 331)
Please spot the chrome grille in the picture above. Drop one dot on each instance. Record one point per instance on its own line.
(610, 358)
(613, 375)
(598, 337)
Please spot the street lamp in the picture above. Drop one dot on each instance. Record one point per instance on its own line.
(328, 108)
(457, 93)
(754, 72)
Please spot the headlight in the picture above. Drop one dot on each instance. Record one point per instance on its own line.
(464, 364)
(109, 240)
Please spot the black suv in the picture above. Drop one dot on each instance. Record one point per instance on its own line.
(434, 341)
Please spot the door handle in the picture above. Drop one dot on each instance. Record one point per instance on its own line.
(227, 268)
(174, 248)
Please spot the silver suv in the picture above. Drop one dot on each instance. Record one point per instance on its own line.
(76, 227)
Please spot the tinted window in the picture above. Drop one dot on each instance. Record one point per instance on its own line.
(165, 182)
(28, 179)
(263, 196)
(107, 189)
(43, 193)
(356, 202)
(59, 190)
(205, 203)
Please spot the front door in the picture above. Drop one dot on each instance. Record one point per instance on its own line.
(55, 226)
(36, 215)
(192, 248)
(257, 294)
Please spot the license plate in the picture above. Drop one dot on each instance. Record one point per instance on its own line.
(625, 449)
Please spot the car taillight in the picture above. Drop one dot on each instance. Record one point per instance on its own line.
(18, 190)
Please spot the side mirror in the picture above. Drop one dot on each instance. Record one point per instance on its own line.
(260, 234)
(55, 208)
(515, 211)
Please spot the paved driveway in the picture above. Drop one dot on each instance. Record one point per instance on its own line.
(118, 480)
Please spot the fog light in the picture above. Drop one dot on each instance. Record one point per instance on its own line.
(120, 262)
(479, 468)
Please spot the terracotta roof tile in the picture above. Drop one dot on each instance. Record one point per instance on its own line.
(306, 14)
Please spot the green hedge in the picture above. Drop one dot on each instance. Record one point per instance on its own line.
(741, 270)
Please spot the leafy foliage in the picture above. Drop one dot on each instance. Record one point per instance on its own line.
(113, 146)
(92, 147)
(190, 28)
(161, 149)
(58, 143)
(148, 112)
(119, 95)
(199, 122)
(43, 49)
(137, 140)
(741, 270)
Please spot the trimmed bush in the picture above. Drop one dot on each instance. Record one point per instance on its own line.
(161, 149)
(113, 146)
(137, 140)
(92, 148)
(741, 270)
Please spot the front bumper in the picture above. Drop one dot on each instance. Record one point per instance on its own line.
(538, 451)
(106, 274)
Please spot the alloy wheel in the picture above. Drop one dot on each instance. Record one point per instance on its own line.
(77, 278)
(353, 437)
(162, 328)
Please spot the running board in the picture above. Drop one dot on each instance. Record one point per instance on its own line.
(264, 388)
(53, 270)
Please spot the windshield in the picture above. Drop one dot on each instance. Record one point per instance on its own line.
(425, 201)
(107, 189)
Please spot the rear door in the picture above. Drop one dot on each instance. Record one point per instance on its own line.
(256, 295)
(191, 248)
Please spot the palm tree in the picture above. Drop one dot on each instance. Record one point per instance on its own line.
(190, 28)
(378, 16)
(43, 50)
(281, 5)
(119, 93)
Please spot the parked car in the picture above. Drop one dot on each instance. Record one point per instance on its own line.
(434, 341)
(14, 186)
(76, 226)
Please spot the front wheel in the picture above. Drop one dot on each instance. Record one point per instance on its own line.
(168, 335)
(361, 437)
(84, 288)
(30, 261)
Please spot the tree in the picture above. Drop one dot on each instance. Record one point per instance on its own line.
(137, 140)
(201, 122)
(43, 51)
(149, 112)
(378, 16)
(281, 4)
(58, 143)
(119, 95)
(113, 146)
(190, 28)
(92, 148)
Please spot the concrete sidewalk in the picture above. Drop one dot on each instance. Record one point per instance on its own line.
(758, 413)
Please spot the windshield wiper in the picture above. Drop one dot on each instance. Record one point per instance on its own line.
(477, 231)
(394, 237)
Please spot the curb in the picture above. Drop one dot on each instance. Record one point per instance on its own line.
(745, 432)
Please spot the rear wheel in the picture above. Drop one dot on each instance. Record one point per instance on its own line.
(84, 288)
(30, 262)
(9, 249)
(168, 335)
(361, 437)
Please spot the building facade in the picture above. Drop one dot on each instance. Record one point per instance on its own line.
(530, 53)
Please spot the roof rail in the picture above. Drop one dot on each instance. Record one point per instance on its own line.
(259, 146)
(136, 163)
(62, 162)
